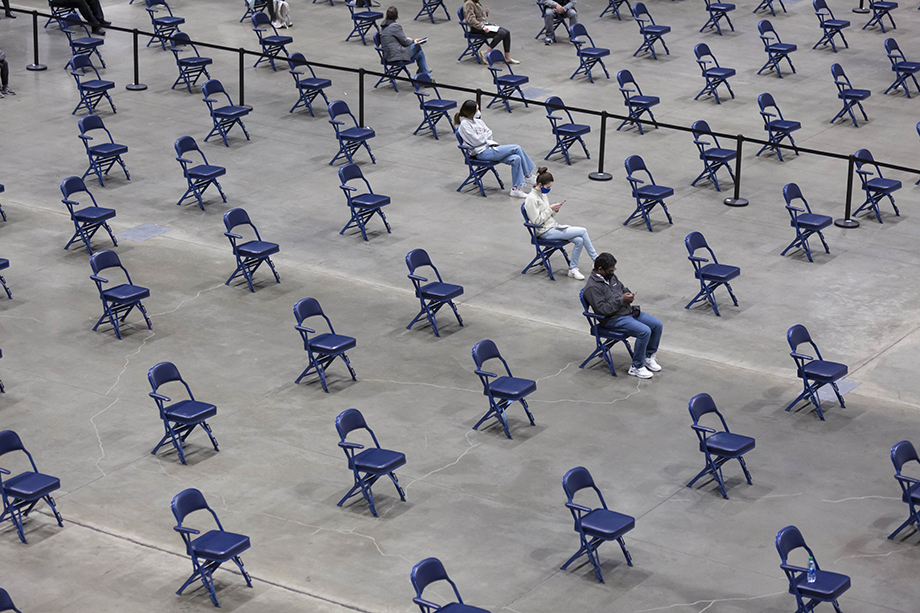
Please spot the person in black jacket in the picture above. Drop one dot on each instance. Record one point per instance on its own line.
(397, 47)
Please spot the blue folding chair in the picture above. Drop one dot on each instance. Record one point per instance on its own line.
(830, 27)
(212, 548)
(435, 108)
(88, 220)
(257, 5)
(199, 177)
(85, 44)
(362, 206)
(505, 84)
(849, 95)
(875, 188)
(804, 221)
(477, 168)
(165, 26)
(503, 390)
(589, 55)
(323, 348)
(91, 90)
(594, 526)
(21, 493)
(224, 117)
(474, 39)
(901, 67)
(777, 127)
(638, 103)
(429, 7)
(647, 193)
(544, 247)
(650, 31)
(604, 338)
(881, 9)
(431, 296)
(710, 274)
(249, 254)
(4, 264)
(714, 157)
(718, 11)
(182, 417)
(350, 139)
(826, 586)
(6, 603)
(363, 21)
(391, 70)
(558, 20)
(614, 5)
(901, 454)
(104, 155)
(767, 5)
(119, 300)
(715, 75)
(814, 371)
(567, 134)
(272, 44)
(776, 51)
(191, 67)
(369, 465)
(57, 14)
(427, 572)
(718, 446)
(307, 88)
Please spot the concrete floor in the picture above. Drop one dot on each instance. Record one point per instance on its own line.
(491, 509)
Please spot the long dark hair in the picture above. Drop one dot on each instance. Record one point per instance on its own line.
(467, 110)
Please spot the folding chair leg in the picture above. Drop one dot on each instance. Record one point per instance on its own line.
(744, 468)
(402, 494)
(910, 521)
(625, 551)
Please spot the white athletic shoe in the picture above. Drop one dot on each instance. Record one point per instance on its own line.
(517, 192)
(652, 364)
(642, 372)
(576, 274)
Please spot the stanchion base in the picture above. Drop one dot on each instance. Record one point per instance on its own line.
(600, 176)
(136, 87)
(736, 201)
(846, 223)
(861, 11)
(36, 67)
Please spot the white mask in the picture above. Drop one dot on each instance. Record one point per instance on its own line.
(477, 115)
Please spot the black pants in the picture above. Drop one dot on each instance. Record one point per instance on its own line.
(502, 35)
(91, 10)
(6, 6)
(270, 7)
(4, 74)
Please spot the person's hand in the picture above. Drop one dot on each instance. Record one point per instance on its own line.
(556, 206)
(487, 11)
(628, 297)
(559, 8)
(416, 40)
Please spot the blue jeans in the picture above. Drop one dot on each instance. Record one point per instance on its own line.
(418, 56)
(646, 329)
(513, 155)
(575, 235)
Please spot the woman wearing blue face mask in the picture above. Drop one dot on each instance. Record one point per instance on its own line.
(540, 211)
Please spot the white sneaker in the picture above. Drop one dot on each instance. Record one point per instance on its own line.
(517, 192)
(531, 179)
(642, 372)
(277, 24)
(652, 364)
(576, 274)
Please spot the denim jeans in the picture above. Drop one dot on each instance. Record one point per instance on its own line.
(513, 155)
(418, 56)
(646, 329)
(575, 235)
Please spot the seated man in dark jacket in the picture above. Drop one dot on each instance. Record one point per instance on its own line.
(396, 46)
(91, 11)
(611, 299)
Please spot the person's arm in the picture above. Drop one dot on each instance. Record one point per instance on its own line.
(536, 208)
(601, 299)
(471, 137)
(400, 36)
(550, 4)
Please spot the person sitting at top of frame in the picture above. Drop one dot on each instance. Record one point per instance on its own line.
(609, 298)
(475, 14)
(397, 47)
(5, 77)
(91, 11)
(551, 8)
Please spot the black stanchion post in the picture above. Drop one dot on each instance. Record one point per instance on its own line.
(846, 222)
(478, 97)
(35, 65)
(242, 53)
(600, 175)
(861, 8)
(137, 85)
(737, 200)
(361, 97)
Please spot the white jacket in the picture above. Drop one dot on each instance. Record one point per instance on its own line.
(475, 133)
(537, 208)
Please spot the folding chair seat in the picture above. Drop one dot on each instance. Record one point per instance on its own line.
(505, 84)
(181, 417)
(614, 5)
(804, 221)
(350, 139)
(881, 9)
(776, 51)
(432, 296)
(434, 109)
(362, 21)
(84, 44)
(118, 300)
(103, 155)
(323, 348)
(6, 603)
(589, 55)
(544, 247)
(718, 11)
(191, 67)
(307, 88)
(717, 446)
(849, 95)
(272, 44)
(474, 40)
(249, 254)
(427, 572)
(767, 5)
(88, 220)
(901, 67)
(901, 454)
(2, 214)
(199, 177)
(777, 127)
(637, 104)
(814, 371)
(830, 26)
(165, 26)
(21, 493)
(429, 7)
(594, 526)
(710, 275)
(212, 548)
(558, 20)
(477, 168)
(567, 134)
(646, 192)
(827, 586)
(390, 69)
(715, 75)
(4, 264)
(370, 464)
(502, 391)
(91, 90)
(714, 157)
(224, 117)
(650, 31)
(604, 338)
(257, 5)
(875, 188)
(362, 206)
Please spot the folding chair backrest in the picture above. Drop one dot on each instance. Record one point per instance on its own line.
(211, 87)
(863, 156)
(82, 62)
(153, 3)
(701, 51)
(236, 217)
(555, 103)
(495, 56)
(639, 9)
(187, 502)
(427, 572)
(575, 480)
(764, 27)
(179, 39)
(101, 260)
(579, 30)
(702, 126)
(765, 101)
(6, 603)
(9, 441)
(787, 540)
(339, 107)
(820, 5)
(306, 308)
(72, 185)
(163, 373)
(903, 453)
(696, 240)
(624, 77)
(700, 405)
(416, 259)
(260, 19)
(635, 163)
(184, 144)
(423, 79)
(791, 191)
(348, 421)
(347, 172)
(798, 334)
(90, 122)
(839, 75)
(483, 351)
(891, 47)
